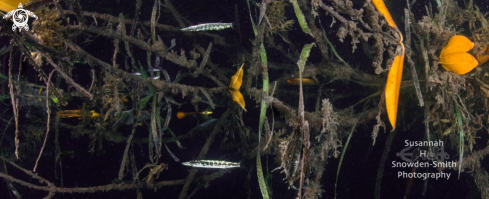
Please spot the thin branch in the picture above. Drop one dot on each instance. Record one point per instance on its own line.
(48, 111)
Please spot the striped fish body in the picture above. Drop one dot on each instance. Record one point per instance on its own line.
(208, 26)
(212, 164)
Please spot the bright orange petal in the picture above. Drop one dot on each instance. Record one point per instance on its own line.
(457, 44)
(380, 5)
(459, 63)
(238, 98)
(392, 89)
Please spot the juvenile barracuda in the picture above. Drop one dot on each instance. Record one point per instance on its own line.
(208, 26)
(212, 164)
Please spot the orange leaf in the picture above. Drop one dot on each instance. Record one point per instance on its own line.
(454, 56)
(482, 56)
(9, 5)
(380, 5)
(238, 98)
(457, 44)
(459, 63)
(395, 74)
(236, 81)
(392, 89)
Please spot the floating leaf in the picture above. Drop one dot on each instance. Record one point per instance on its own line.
(236, 81)
(457, 44)
(460, 63)
(395, 74)
(483, 55)
(8, 6)
(380, 5)
(392, 89)
(454, 56)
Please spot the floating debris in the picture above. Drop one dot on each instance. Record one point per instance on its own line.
(212, 164)
(208, 26)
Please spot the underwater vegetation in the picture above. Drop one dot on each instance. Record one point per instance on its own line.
(244, 99)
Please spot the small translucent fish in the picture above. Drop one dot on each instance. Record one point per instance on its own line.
(208, 26)
(155, 77)
(181, 115)
(305, 81)
(212, 164)
(173, 44)
(136, 73)
(154, 70)
(157, 62)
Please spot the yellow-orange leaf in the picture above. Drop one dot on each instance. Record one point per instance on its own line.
(457, 44)
(9, 5)
(454, 56)
(238, 98)
(380, 5)
(236, 81)
(459, 63)
(392, 89)
(483, 55)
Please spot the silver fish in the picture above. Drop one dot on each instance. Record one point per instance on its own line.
(154, 70)
(208, 26)
(212, 164)
(155, 77)
(136, 73)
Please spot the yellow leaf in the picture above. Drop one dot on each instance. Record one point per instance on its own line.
(395, 74)
(454, 56)
(459, 63)
(236, 81)
(457, 44)
(483, 55)
(392, 89)
(9, 5)
(380, 5)
(238, 98)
